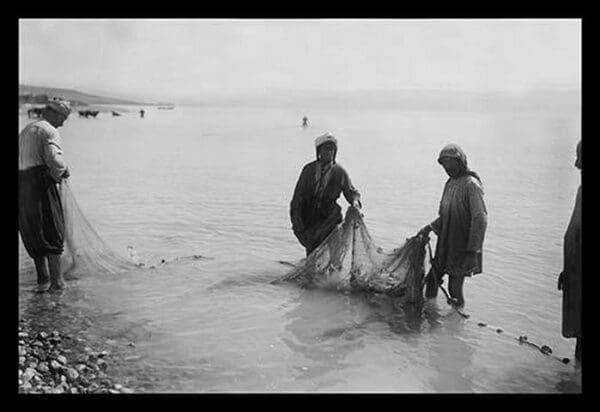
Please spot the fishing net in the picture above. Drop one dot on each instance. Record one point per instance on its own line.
(348, 260)
(84, 250)
(85, 253)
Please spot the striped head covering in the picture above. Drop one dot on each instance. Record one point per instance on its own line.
(59, 106)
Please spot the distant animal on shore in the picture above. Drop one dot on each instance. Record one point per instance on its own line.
(88, 113)
(116, 113)
(35, 112)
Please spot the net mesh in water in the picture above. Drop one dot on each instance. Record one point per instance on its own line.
(85, 253)
(348, 260)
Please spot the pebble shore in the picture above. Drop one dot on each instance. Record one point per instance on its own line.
(51, 362)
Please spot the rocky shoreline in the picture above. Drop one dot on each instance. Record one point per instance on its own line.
(51, 362)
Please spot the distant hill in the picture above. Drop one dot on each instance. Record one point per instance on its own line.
(410, 100)
(75, 97)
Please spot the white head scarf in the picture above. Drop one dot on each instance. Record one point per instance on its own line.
(324, 138)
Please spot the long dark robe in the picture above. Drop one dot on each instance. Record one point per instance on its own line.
(41, 217)
(460, 227)
(315, 215)
(571, 276)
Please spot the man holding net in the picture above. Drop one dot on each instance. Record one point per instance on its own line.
(313, 209)
(41, 216)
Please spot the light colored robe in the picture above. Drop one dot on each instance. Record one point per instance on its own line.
(460, 226)
(40, 144)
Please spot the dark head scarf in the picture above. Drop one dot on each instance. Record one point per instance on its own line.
(454, 151)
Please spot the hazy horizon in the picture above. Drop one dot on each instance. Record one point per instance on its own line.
(116, 93)
(178, 60)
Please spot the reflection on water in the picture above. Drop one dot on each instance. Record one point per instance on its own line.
(449, 355)
(312, 337)
(217, 182)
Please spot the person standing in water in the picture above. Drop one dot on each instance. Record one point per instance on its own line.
(569, 280)
(41, 216)
(460, 226)
(313, 210)
(305, 121)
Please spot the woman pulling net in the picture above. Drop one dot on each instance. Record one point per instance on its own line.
(341, 255)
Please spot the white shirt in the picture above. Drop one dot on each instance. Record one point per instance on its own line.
(40, 144)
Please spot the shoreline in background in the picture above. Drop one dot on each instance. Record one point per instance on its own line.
(406, 100)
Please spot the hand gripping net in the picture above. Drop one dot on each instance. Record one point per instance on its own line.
(348, 260)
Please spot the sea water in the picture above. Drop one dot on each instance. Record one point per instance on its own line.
(217, 182)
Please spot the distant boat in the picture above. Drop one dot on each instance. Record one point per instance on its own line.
(166, 107)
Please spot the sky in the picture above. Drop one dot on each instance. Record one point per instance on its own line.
(180, 59)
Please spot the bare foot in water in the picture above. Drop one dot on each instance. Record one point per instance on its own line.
(41, 287)
(56, 287)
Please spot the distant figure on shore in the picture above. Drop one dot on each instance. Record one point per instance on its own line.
(35, 112)
(41, 170)
(460, 226)
(142, 113)
(569, 281)
(115, 113)
(313, 209)
(87, 113)
(305, 121)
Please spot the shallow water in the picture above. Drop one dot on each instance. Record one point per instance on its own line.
(217, 181)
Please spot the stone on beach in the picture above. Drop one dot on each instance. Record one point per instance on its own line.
(72, 374)
(42, 367)
(28, 374)
(55, 365)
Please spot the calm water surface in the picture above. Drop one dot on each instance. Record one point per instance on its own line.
(217, 181)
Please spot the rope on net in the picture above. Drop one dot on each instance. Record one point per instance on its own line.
(348, 260)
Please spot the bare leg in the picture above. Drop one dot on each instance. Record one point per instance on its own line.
(432, 286)
(455, 286)
(41, 269)
(56, 281)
